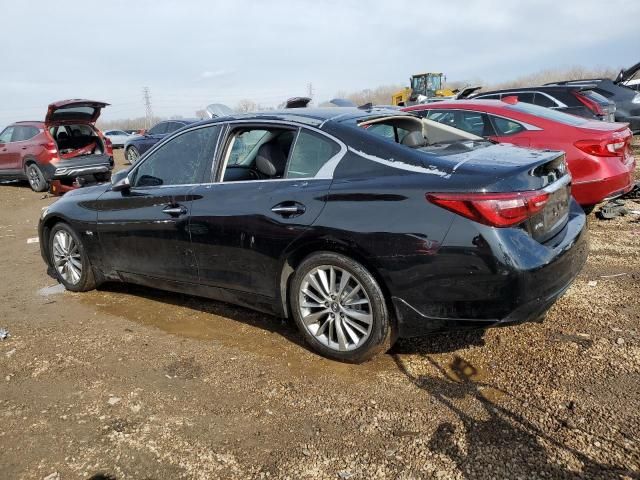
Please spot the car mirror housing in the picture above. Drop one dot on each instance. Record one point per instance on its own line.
(120, 181)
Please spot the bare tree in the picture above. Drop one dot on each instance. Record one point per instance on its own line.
(246, 105)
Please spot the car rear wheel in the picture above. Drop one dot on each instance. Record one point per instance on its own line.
(36, 179)
(69, 259)
(132, 155)
(340, 308)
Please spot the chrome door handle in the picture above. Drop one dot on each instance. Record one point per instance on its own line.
(285, 210)
(175, 210)
(289, 209)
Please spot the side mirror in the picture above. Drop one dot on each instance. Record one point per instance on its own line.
(120, 181)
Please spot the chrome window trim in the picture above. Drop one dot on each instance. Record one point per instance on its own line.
(325, 173)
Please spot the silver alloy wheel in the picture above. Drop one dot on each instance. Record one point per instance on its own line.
(335, 308)
(132, 155)
(34, 177)
(66, 257)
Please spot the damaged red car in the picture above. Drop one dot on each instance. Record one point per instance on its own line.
(64, 152)
(598, 153)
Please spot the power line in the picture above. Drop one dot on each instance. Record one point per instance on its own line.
(146, 95)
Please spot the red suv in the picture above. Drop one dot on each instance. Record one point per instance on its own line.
(64, 151)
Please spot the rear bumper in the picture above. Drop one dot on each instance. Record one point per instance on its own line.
(505, 277)
(79, 167)
(594, 191)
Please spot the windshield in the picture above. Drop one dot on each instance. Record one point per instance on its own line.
(548, 113)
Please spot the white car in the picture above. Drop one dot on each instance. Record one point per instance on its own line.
(117, 137)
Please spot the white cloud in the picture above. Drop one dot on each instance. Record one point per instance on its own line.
(198, 52)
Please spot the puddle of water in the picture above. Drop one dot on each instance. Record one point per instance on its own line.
(229, 325)
(459, 370)
(56, 289)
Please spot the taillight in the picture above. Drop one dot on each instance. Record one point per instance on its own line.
(493, 209)
(51, 146)
(592, 105)
(603, 148)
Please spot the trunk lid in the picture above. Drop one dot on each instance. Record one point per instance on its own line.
(74, 111)
(522, 171)
(596, 126)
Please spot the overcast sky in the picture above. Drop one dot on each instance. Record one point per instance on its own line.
(192, 53)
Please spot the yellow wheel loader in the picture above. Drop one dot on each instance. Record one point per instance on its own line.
(424, 86)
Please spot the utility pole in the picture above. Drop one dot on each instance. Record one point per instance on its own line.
(310, 90)
(146, 97)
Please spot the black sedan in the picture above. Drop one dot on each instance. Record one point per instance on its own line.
(362, 225)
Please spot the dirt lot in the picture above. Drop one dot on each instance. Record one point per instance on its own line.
(127, 382)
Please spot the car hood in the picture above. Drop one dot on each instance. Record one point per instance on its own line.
(216, 110)
(91, 192)
(75, 110)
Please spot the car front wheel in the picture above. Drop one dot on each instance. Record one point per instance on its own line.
(340, 308)
(69, 259)
(132, 155)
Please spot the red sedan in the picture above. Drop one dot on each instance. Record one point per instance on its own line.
(598, 153)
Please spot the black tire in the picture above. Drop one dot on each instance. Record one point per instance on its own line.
(35, 177)
(379, 339)
(86, 279)
(588, 209)
(132, 155)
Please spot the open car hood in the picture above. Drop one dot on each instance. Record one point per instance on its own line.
(466, 92)
(76, 110)
(627, 74)
(216, 110)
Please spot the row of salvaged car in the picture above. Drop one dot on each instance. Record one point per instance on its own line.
(67, 150)
(363, 225)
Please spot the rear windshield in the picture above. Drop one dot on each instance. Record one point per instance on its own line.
(73, 113)
(596, 97)
(548, 114)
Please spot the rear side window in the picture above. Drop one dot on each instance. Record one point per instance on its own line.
(543, 100)
(173, 126)
(469, 121)
(5, 136)
(505, 127)
(548, 113)
(526, 97)
(183, 160)
(159, 128)
(310, 152)
(22, 133)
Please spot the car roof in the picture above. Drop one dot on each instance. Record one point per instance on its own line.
(29, 122)
(542, 88)
(459, 103)
(311, 116)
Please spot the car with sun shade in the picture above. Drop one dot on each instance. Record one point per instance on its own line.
(361, 225)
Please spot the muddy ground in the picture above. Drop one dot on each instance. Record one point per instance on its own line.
(129, 382)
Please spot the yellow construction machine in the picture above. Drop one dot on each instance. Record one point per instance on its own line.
(424, 86)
